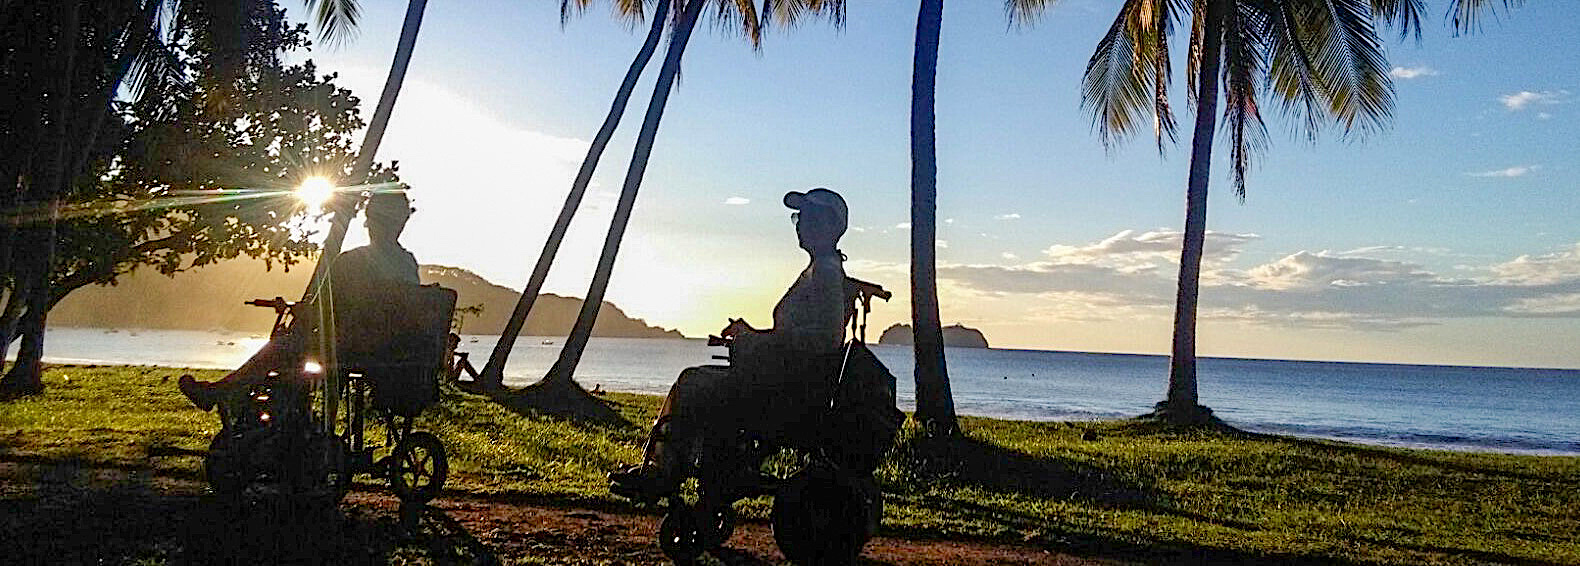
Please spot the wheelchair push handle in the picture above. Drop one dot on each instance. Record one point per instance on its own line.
(279, 304)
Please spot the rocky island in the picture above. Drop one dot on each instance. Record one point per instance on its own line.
(956, 335)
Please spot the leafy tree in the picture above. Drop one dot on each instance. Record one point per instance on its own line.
(178, 181)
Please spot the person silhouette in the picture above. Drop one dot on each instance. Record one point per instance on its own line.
(776, 375)
(361, 280)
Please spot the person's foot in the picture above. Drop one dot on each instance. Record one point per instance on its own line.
(199, 393)
(637, 483)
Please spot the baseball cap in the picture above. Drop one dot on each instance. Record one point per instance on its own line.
(820, 198)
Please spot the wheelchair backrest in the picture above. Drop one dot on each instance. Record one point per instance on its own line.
(397, 341)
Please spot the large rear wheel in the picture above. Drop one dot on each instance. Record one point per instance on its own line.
(822, 517)
(418, 468)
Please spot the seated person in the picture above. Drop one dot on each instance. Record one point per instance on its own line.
(361, 282)
(777, 377)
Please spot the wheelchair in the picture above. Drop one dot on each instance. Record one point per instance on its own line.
(302, 433)
(828, 504)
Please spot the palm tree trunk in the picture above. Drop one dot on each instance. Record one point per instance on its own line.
(935, 404)
(565, 368)
(1181, 404)
(26, 376)
(371, 140)
(493, 374)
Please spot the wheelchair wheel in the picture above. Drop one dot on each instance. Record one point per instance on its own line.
(223, 467)
(820, 517)
(720, 526)
(418, 468)
(680, 536)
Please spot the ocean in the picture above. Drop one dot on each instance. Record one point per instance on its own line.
(1535, 411)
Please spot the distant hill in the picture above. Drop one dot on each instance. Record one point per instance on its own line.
(210, 298)
(957, 336)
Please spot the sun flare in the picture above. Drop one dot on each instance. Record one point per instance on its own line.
(314, 192)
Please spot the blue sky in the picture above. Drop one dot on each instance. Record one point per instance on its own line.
(1406, 246)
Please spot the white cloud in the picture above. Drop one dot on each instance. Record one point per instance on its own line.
(1543, 116)
(857, 229)
(942, 243)
(737, 201)
(949, 221)
(1147, 249)
(1010, 216)
(1412, 72)
(1126, 274)
(1516, 171)
(903, 225)
(1009, 256)
(1525, 99)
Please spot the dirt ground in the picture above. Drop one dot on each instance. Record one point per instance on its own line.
(54, 513)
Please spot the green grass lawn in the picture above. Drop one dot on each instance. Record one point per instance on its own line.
(1127, 490)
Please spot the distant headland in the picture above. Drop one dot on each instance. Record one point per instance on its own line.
(210, 298)
(958, 336)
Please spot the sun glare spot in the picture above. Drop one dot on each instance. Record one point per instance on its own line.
(314, 192)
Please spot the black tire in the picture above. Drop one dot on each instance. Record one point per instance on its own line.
(820, 518)
(679, 537)
(418, 468)
(720, 527)
(223, 467)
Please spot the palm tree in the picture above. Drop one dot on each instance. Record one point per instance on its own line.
(686, 13)
(493, 374)
(1322, 60)
(935, 405)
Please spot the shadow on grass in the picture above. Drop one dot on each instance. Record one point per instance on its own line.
(964, 461)
(561, 399)
(1397, 456)
(76, 514)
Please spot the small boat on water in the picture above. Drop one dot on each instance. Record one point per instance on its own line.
(548, 342)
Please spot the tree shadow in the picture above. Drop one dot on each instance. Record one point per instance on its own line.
(562, 399)
(1331, 447)
(77, 514)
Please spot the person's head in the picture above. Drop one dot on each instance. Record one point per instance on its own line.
(386, 215)
(820, 219)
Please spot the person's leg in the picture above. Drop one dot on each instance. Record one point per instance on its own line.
(681, 422)
(281, 352)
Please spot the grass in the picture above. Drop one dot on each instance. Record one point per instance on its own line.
(1127, 490)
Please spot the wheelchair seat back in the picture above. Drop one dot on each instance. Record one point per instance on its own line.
(397, 343)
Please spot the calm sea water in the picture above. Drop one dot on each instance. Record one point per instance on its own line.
(1455, 408)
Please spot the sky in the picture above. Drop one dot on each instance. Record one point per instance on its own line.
(1449, 238)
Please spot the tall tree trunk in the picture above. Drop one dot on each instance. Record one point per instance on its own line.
(493, 374)
(565, 368)
(935, 404)
(26, 376)
(370, 140)
(1181, 406)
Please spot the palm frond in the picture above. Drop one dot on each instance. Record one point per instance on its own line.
(336, 19)
(1119, 85)
(1026, 12)
(1466, 14)
(1243, 66)
(1292, 74)
(1198, 32)
(791, 12)
(1402, 14)
(1351, 63)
